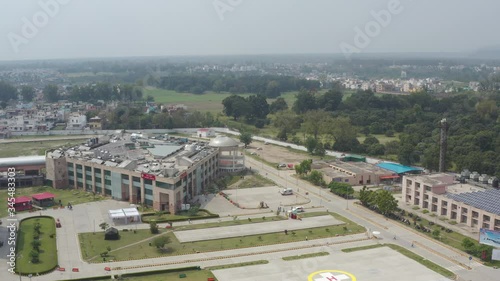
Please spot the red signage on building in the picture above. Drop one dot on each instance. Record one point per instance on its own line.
(148, 176)
(184, 175)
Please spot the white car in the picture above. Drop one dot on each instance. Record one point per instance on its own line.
(298, 209)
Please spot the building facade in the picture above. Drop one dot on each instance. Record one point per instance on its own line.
(463, 203)
(128, 171)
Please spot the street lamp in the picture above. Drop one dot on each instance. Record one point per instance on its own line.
(30, 275)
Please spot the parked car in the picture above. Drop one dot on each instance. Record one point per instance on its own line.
(286, 191)
(298, 209)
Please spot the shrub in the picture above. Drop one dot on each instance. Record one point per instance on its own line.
(153, 227)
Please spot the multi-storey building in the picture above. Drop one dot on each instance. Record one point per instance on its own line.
(439, 193)
(156, 173)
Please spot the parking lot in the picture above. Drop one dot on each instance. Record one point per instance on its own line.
(250, 198)
(378, 264)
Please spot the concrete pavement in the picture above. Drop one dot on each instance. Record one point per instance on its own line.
(434, 251)
(254, 229)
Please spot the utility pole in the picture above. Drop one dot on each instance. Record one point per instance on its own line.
(443, 145)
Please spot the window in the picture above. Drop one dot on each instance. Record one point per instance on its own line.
(148, 191)
(427, 188)
(150, 182)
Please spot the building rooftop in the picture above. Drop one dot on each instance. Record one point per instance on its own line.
(485, 200)
(151, 156)
(223, 141)
(23, 160)
(398, 168)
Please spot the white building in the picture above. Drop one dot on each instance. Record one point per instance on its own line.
(205, 133)
(76, 121)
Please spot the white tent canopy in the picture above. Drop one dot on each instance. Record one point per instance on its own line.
(127, 215)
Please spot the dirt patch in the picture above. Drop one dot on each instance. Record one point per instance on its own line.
(276, 154)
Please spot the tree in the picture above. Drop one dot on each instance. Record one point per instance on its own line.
(246, 138)
(330, 100)
(315, 122)
(386, 203)
(436, 233)
(319, 150)
(288, 123)
(193, 211)
(7, 92)
(28, 93)
(36, 245)
(311, 144)
(468, 245)
(366, 197)
(35, 256)
(278, 105)
(304, 167)
(51, 93)
(153, 227)
(236, 106)
(161, 241)
(305, 101)
(259, 108)
(273, 89)
(103, 225)
(342, 189)
(316, 177)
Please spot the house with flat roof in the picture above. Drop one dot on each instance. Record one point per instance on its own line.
(463, 203)
(353, 173)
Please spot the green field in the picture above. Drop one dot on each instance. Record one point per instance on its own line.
(210, 101)
(48, 248)
(194, 275)
(33, 147)
(65, 195)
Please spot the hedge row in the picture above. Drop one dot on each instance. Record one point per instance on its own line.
(145, 217)
(160, 271)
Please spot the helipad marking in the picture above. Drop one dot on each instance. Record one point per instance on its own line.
(331, 275)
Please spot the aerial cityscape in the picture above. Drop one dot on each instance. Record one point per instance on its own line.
(249, 140)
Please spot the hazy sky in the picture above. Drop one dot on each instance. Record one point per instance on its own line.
(111, 28)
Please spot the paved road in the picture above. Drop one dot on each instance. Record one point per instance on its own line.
(431, 249)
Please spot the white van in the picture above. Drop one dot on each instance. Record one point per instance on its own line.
(286, 191)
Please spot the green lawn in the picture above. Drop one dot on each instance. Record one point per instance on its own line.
(305, 256)
(65, 195)
(33, 147)
(209, 101)
(193, 275)
(92, 246)
(48, 248)
(228, 223)
(253, 180)
(233, 265)
(383, 139)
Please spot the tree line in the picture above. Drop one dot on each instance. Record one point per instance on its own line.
(271, 86)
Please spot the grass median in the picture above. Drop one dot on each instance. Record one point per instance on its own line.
(47, 250)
